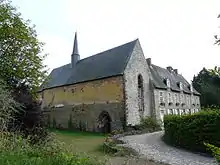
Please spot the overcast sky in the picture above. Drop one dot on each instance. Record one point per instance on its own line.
(172, 32)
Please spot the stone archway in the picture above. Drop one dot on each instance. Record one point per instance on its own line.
(104, 122)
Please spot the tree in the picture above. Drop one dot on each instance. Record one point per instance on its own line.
(8, 106)
(215, 71)
(21, 55)
(31, 120)
(22, 69)
(208, 84)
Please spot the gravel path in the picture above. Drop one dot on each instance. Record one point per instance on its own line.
(153, 148)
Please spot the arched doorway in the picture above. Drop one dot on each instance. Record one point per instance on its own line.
(140, 95)
(104, 122)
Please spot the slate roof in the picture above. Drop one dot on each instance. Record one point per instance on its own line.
(159, 74)
(109, 63)
(105, 64)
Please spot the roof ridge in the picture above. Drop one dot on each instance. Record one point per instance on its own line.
(108, 50)
(176, 74)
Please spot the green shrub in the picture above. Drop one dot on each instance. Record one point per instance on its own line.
(191, 131)
(15, 150)
(149, 123)
(215, 151)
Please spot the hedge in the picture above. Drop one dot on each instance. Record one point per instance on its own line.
(192, 131)
(215, 151)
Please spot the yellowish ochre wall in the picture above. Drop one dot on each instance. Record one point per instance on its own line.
(98, 91)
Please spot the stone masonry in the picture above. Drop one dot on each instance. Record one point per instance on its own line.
(135, 66)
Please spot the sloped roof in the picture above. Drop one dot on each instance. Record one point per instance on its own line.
(159, 74)
(105, 64)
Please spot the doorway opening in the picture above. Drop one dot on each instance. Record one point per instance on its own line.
(104, 121)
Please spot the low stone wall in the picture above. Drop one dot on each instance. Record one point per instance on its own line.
(85, 117)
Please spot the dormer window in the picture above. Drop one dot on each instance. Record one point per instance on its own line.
(180, 85)
(167, 82)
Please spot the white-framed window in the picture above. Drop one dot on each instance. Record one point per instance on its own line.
(175, 98)
(161, 99)
(171, 111)
(187, 111)
(184, 111)
(187, 100)
(182, 98)
(175, 111)
(178, 112)
(169, 98)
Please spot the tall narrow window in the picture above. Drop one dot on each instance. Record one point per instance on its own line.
(175, 98)
(140, 95)
(187, 100)
(182, 98)
(169, 98)
(192, 100)
(161, 97)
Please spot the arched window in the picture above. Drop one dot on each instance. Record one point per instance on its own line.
(140, 95)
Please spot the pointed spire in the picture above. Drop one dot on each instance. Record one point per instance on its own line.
(75, 55)
(75, 46)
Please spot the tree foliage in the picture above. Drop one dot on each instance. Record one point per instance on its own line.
(22, 69)
(215, 71)
(8, 106)
(207, 82)
(31, 120)
(21, 55)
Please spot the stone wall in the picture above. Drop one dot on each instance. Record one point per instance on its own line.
(188, 105)
(103, 90)
(84, 102)
(136, 65)
(85, 117)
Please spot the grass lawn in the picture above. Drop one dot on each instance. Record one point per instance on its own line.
(90, 142)
(82, 141)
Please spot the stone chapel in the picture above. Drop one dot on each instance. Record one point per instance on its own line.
(114, 89)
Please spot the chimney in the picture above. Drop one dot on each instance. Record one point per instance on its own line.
(175, 71)
(148, 61)
(191, 87)
(169, 68)
(75, 57)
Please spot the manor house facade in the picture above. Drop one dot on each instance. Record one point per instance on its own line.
(114, 89)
